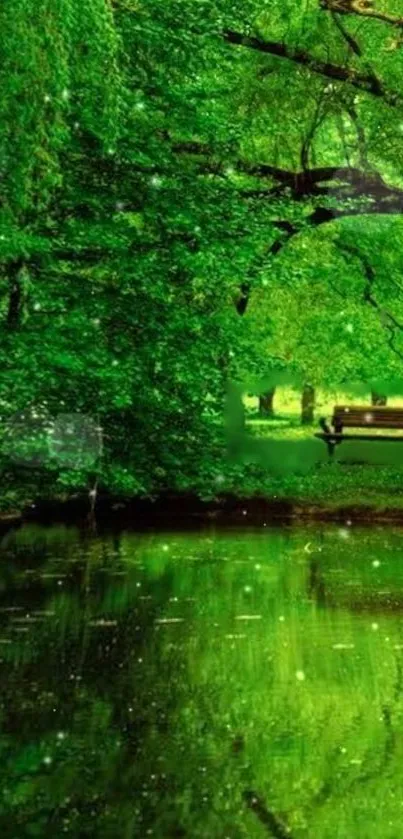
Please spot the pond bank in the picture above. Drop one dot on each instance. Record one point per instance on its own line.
(188, 511)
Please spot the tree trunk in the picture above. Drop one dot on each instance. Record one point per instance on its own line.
(266, 403)
(378, 399)
(15, 294)
(307, 405)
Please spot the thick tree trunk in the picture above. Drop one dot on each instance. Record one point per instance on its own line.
(378, 399)
(266, 403)
(307, 405)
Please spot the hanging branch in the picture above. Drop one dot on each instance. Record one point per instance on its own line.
(352, 43)
(266, 817)
(388, 320)
(246, 287)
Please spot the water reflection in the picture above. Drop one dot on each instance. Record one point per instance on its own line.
(210, 685)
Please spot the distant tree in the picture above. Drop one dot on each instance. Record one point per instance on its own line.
(266, 408)
(307, 404)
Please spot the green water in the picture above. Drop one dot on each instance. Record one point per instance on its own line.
(216, 684)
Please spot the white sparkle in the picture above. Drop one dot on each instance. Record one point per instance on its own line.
(48, 760)
(344, 534)
(376, 563)
(156, 181)
(349, 328)
(374, 626)
(368, 417)
(165, 547)
(47, 98)
(65, 94)
(247, 589)
(139, 106)
(300, 675)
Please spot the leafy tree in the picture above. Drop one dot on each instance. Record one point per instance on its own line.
(166, 168)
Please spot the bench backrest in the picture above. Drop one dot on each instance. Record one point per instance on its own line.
(353, 416)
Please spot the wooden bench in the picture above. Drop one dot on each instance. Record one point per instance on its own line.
(370, 417)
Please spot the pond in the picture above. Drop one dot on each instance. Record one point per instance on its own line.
(217, 684)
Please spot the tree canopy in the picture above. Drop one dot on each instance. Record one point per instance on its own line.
(188, 191)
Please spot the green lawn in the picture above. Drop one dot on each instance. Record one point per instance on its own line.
(292, 464)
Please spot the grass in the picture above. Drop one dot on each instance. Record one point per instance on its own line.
(361, 475)
(281, 461)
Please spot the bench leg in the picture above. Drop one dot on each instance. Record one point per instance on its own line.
(331, 445)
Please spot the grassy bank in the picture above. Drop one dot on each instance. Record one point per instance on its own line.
(280, 466)
(245, 496)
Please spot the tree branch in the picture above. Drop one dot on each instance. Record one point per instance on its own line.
(363, 8)
(266, 817)
(352, 43)
(290, 230)
(366, 82)
(389, 321)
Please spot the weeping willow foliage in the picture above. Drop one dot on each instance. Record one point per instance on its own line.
(58, 71)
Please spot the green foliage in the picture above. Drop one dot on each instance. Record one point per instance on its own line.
(135, 210)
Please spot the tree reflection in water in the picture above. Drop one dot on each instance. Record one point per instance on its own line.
(201, 685)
